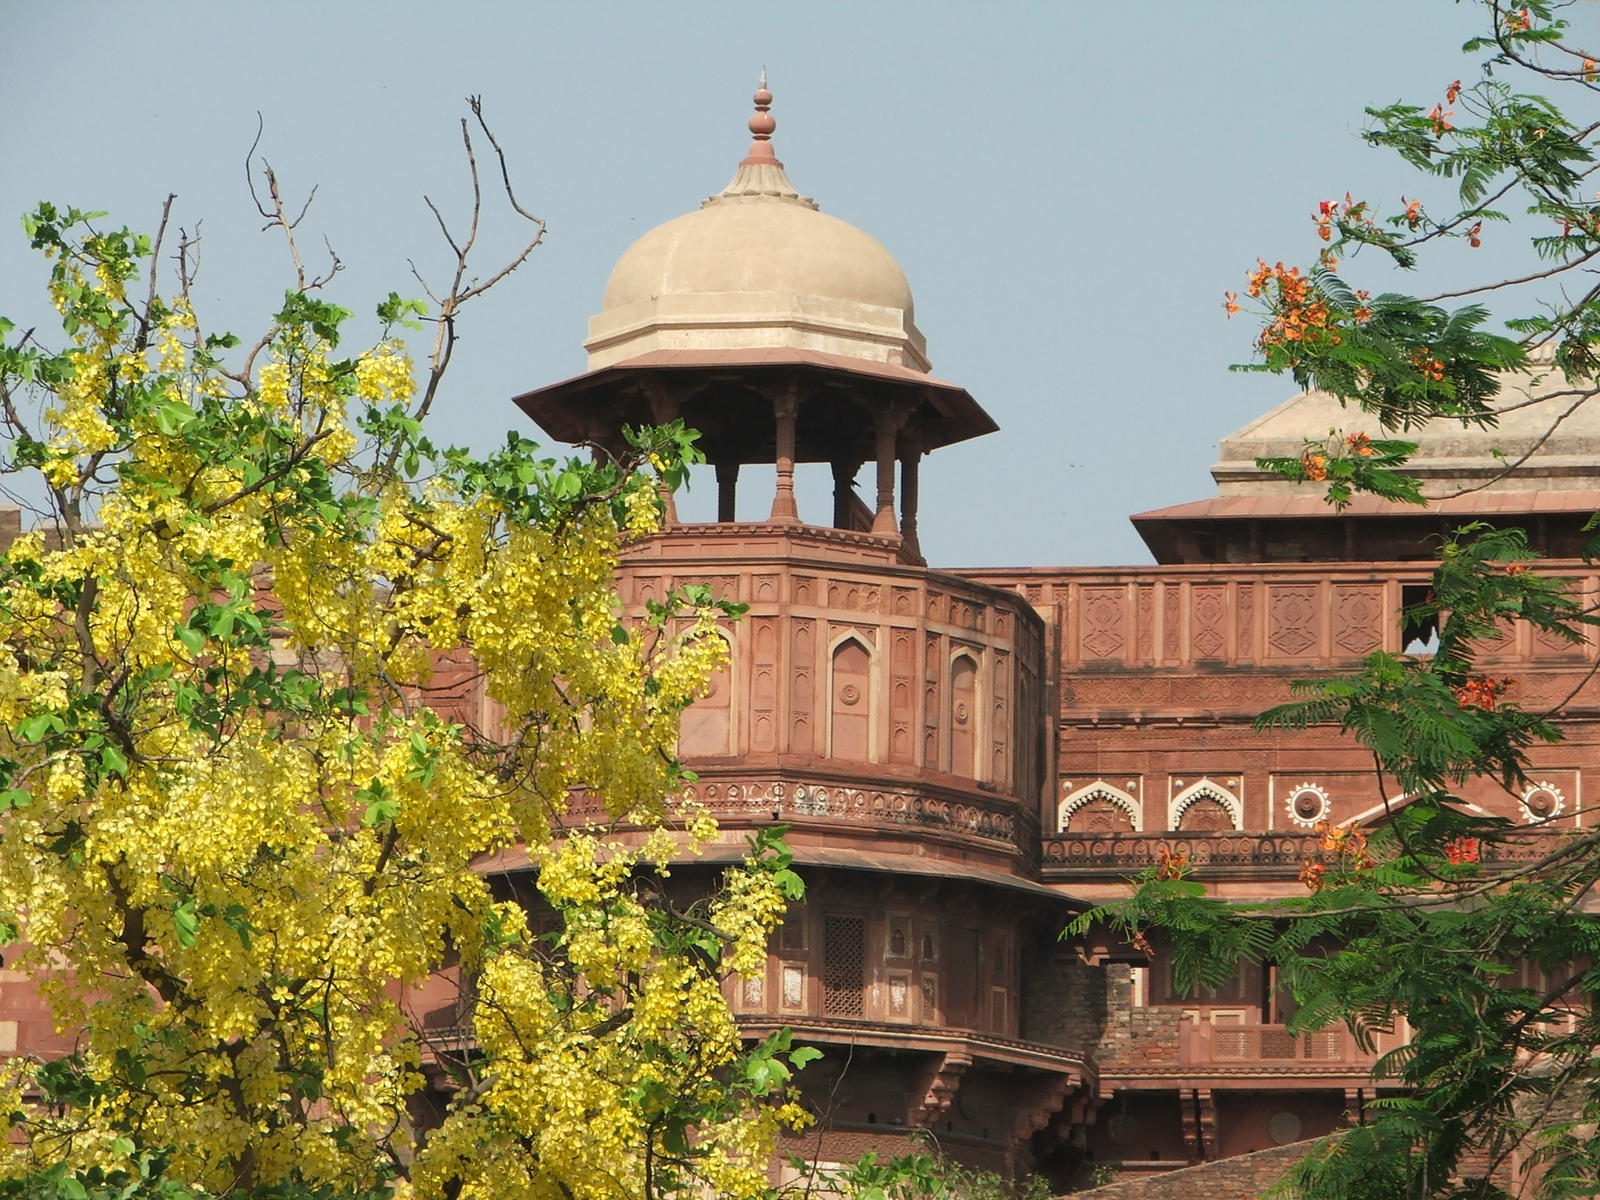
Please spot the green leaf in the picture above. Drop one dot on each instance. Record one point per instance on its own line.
(186, 923)
(112, 761)
(191, 638)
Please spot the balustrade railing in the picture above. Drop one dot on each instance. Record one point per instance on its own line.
(746, 800)
(1280, 616)
(1073, 855)
(1267, 1045)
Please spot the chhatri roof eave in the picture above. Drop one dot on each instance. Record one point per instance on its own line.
(545, 405)
(745, 356)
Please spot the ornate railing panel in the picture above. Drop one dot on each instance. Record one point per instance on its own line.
(1073, 855)
(1269, 1045)
(995, 821)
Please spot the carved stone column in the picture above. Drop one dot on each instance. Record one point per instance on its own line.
(889, 422)
(844, 474)
(727, 484)
(784, 410)
(910, 461)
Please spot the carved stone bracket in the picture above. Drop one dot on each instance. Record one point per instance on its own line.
(939, 1082)
(1037, 1102)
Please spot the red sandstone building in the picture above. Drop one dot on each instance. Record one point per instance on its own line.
(967, 759)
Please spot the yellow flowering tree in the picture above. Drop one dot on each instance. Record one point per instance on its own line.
(236, 832)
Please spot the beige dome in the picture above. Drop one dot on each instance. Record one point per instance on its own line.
(758, 246)
(757, 267)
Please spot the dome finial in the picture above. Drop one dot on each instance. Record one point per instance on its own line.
(762, 124)
(759, 175)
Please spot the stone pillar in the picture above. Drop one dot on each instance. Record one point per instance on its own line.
(910, 460)
(784, 410)
(727, 485)
(889, 420)
(844, 474)
(665, 407)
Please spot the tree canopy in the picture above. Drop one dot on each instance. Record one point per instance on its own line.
(1475, 931)
(242, 810)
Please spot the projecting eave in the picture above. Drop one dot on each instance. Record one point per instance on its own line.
(1289, 508)
(844, 858)
(945, 412)
(1161, 527)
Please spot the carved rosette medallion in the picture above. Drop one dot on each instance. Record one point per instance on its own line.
(1542, 801)
(1306, 805)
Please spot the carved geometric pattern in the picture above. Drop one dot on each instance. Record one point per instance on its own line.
(1545, 642)
(1206, 613)
(843, 965)
(1292, 619)
(1358, 619)
(802, 663)
(1171, 624)
(1147, 623)
(1103, 617)
(901, 703)
(1500, 639)
(1245, 605)
(899, 996)
(1000, 719)
(794, 986)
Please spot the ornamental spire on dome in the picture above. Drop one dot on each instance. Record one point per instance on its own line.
(760, 176)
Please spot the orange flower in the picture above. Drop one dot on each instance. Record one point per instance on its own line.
(1451, 92)
(1479, 691)
(1360, 443)
(1473, 239)
(1426, 364)
(1516, 568)
(1171, 866)
(1230, 302)
(1311, 873)
(1142, 944)
(1518, 21)
(1315, 466)
(1413, 212)
(1440, 118)
(1462, 850)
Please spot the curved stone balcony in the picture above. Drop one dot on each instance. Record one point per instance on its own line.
(868, 701)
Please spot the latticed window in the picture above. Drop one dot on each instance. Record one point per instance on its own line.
(843, 964)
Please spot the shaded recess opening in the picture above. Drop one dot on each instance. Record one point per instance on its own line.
(1419, 632)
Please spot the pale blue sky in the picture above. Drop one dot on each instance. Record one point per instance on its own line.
(1070, 187)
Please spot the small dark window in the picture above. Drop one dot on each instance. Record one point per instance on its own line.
(1419, 632)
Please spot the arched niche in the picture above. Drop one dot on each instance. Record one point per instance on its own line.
(706, 728)
(850, 698)
(1100, 808)
(965, 742)
(1205, 807)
